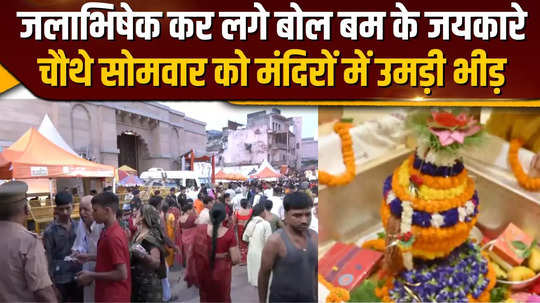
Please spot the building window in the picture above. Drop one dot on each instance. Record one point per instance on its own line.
(297, 145)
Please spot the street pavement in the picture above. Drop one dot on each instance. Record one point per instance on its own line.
(241, 290)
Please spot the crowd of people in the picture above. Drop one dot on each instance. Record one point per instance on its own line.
(120, 252)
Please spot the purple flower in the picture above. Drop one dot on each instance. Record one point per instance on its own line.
(440, 171)
(395, 207)
(421, 218)
(387, 185)
(451, 217)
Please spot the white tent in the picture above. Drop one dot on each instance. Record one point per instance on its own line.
(264, 165)
(50, 132)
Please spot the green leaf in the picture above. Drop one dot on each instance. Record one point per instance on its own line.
(498, 294)
(528, 251)
(364, 293)
(346, 120)
(381, 235)
(519, 245)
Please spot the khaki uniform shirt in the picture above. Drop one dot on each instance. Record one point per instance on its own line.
(23, 263)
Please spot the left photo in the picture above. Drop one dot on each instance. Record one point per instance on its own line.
(157, 201)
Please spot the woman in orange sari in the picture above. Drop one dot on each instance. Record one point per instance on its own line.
(214, 253)
(240, 219)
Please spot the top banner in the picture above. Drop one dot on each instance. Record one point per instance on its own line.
(278, 50)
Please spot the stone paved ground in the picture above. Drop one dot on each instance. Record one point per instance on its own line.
(241, 290)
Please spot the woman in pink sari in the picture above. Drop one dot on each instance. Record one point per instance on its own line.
(214, 252)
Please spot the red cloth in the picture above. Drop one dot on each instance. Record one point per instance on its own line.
(112, 249)
(241, 225)
(132, 226)
(214, 283)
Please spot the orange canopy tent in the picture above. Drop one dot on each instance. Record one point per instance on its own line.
(221, 175)
(266, 173)
(34, 156)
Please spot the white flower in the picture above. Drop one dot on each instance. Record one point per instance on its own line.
(441, 158)
(462, 213)
(390, 197)
(437, 220)
(406, 216)
(470, 207)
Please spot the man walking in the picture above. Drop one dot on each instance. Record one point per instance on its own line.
(291, 256)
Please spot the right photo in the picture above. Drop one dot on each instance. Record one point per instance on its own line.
(429, 204)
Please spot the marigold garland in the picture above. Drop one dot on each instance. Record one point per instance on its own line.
(383, 292)
(438, 182)
(432, 206)
(377, 244)
(337, 294)
(523, 179)
(432, 242)
(428, 193)
(342, 129)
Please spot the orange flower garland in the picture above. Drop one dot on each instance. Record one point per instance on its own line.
(523, 179)
(383, 292)
(432, 206)
(342, 129)
(438, 182)
(432, 242)
(377, 244)
(337, 294)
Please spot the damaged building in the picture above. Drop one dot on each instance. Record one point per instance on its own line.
(267, 135)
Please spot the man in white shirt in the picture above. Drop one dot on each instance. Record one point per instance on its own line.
(204, 216)
(88, 232)
(237, 197)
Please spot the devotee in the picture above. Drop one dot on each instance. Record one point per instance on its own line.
(156, 202)
(241, 216)
(237, 197)
(204, 216)
(258, 195)
(198, 205)
(187, 224)
(256, 233)
(25, 275)
(272, 218)
(58, 239)
(171, 198)
(88, 231)
(226, 199)
(177, 231)
(214, 253)
(112, 274)
(290, 255)
(511, 124)
(148, 265)
(136, 201)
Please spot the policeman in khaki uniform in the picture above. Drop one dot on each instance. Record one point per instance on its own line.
(25, 275)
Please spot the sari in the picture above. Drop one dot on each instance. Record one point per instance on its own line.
(188, 234)
(214, 283)
(240, 226)
(175, 234)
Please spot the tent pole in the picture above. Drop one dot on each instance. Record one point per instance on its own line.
(50, 190)
(213, 170)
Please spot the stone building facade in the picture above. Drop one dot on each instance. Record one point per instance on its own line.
(139, 134)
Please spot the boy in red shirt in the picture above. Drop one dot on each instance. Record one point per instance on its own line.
(113, 272)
